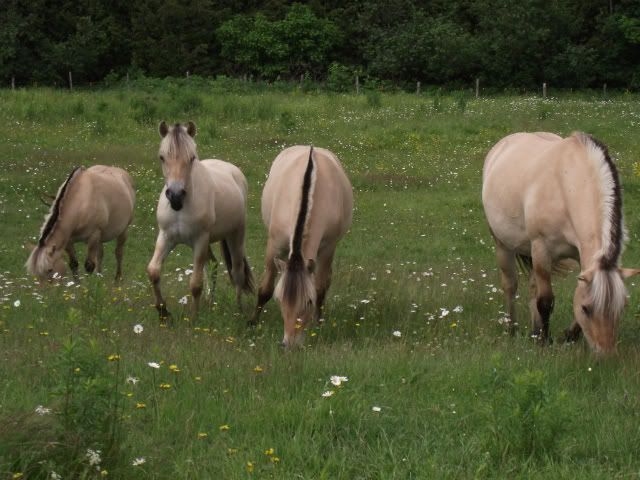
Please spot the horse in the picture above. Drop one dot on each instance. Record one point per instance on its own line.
(548, 199)
(307, 205)
(94, 205)
(202, 202)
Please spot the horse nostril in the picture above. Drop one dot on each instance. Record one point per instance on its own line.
(167, 193)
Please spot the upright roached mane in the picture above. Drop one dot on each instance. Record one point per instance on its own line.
(54, 211)
(607, 287)
(294, 287)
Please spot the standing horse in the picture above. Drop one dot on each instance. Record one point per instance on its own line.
(203, 201)
(307, 205)
(547, 199)
(94, 205)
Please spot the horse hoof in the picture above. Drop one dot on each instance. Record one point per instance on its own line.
(89, 266)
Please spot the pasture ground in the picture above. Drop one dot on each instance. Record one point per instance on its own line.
(457, 397)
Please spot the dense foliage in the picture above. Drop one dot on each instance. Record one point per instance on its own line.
(570, 43)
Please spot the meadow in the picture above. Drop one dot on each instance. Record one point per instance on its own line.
(93, 386)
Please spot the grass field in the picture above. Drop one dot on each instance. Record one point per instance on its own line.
(455, 396)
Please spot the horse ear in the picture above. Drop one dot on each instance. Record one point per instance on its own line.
(280, 264)
(629, 272)
(163, 129)
(586, 276)
(191, 129)
(311, 265)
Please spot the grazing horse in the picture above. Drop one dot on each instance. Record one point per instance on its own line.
(202, 202)
(548, 199)
(94, 205)
(307, 205)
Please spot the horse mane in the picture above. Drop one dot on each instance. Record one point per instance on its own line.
(295, 287)
(54, 212)
(607, 288)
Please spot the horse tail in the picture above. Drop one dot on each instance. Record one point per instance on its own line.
(248, 285)
(295, 286)
(226, 254)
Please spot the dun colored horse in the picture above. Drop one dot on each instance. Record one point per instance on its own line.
(547, 199)
(203, 201)
(94, 205)
(307, 205)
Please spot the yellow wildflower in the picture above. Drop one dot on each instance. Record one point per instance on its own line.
(198, 379)
(17, 475)
(104, 473)
(165, 386)
(274, 459)
(250, 467)
(258, 369)
(202, 435)
(232, 451)
(269, 451)
(224, 428)
(141, 405)
(174, 368)
(114, 357)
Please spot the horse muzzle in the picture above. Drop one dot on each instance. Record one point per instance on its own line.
(176, 198)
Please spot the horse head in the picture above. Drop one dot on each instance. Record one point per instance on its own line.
(296, 294)
(177, 154)
(598, 302)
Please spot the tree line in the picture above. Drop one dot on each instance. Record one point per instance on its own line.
(569, 43)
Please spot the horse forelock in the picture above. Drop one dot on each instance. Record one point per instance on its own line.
(56, 207)
(608, 293)
(295, 288)
(613, 231)
(38, 262)
(178, 143)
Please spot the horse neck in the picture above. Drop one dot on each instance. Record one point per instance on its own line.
(199, 181)
(589, 229)
(60, 235)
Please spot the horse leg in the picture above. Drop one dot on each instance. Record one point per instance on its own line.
(267, 284)
(536, 318)
(162, 249)
(122, 238)
(94, 246)
(214, 272)
(240, 271)
(323, 277)
(73, 259)
(200, 257)
(542, 264)
(99, 257)
(509, 281)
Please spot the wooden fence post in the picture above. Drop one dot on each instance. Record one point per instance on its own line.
(477, 88)
(13, 83)
(357, 84)
(302, 78)
(544, 90)
(604, 90)
(187, 73)
(418, 88)
(70, 81)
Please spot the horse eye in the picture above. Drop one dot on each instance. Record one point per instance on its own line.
(162, 158)
(586, 309)
(193, 158)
